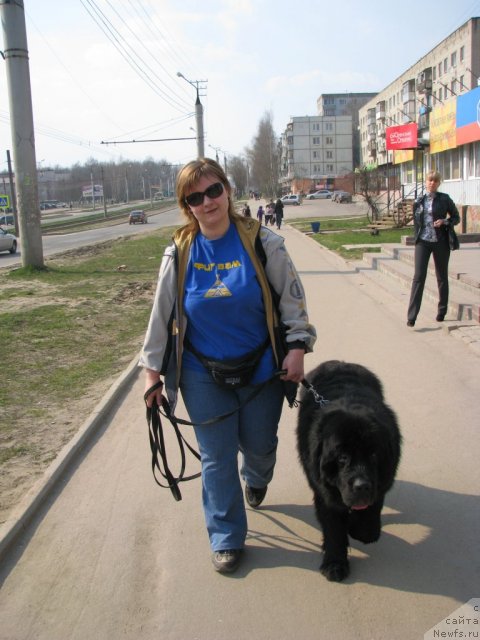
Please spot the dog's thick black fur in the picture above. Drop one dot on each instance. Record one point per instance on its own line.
(349, 450)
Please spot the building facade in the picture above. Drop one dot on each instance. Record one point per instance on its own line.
(345, 104)
(432, 95)
(315, 149)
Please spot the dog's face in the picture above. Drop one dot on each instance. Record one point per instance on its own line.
(351, 459)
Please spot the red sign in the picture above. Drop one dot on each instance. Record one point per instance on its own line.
(402, 137)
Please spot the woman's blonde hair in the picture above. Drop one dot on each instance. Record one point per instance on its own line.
(190, 174)
(434, 175)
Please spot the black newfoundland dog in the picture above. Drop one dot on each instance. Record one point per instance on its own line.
(349, 448)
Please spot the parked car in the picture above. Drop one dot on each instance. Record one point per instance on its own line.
(8, 241)
(293, 198)
(7, 219)
(341, 196)
(137, 216)
(321, 193)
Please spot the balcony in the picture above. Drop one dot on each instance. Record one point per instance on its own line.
(380, 110)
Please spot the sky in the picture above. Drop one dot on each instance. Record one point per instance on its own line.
(106, 70)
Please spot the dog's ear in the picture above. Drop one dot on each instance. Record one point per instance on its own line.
(331, 463)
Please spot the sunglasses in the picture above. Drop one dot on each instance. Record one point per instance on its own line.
(213, 191)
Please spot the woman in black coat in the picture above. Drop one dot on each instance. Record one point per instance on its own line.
(433, 214)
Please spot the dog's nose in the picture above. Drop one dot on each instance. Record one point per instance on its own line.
(361, 486)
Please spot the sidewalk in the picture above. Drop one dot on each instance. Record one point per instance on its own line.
(109, 554)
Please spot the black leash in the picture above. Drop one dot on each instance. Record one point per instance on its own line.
(157, 439)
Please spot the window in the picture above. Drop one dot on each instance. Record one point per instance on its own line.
(456, 164)
(330, 168)
(445, 65)
(315, 155)
(434, 73)
(462, 83)
(330, 155)
(439, 69)
(316, 140)
(453, 59)
(328, 140)
(453, 87)
(289, 139)
(462, 54)
(440, 94)
(329, 126)
(316, 126)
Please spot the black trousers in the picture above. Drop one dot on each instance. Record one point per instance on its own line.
(441, 256)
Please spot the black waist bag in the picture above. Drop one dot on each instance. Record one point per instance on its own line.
(233, 373)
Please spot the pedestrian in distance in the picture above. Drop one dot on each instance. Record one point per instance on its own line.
(434, 215)
(278, 212)
(271, 204)
(212, 278)
(260, 213)
(268, 214)
(246, 211)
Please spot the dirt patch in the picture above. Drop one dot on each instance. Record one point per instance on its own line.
(100, 324)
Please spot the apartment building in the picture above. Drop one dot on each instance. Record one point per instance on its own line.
(345, 104)
(430, 100)
(315, 149)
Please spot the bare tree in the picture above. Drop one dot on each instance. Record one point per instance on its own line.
(264, 157)
(237, 169)
(368, 187)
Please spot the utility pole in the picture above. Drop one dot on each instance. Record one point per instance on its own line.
(198, 115)
(104, 199)
(23, 140)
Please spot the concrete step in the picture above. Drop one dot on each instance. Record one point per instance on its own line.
(464, 300)
(455, 275)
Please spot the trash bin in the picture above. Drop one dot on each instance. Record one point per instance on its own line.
(315, 227)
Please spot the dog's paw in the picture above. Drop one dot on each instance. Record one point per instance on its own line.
(335, 570)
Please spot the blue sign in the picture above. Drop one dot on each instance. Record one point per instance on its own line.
(4, 201)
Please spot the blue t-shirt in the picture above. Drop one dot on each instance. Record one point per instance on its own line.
(223, 303)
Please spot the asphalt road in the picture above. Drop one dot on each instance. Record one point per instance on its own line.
(170, 217)
(114, 556)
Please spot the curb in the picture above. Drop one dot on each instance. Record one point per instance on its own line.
(29, 506)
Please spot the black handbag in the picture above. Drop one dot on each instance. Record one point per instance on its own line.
(453, 239)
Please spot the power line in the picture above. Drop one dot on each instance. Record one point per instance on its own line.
(111, 33)
(107, 116)
(177, 48)
(142, 44)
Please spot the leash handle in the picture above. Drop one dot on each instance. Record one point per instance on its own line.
(153, 388)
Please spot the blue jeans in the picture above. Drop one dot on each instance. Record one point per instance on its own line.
(252, 431)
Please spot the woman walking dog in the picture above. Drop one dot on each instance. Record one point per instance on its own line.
(214, 304)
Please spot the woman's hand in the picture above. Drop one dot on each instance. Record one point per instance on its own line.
(440, 222)
(151, 378)
(293, 364)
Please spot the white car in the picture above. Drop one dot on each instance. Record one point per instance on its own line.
(8, 241)
(292, 199)
(321, 193)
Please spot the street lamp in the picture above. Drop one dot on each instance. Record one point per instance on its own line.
(198, 115)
